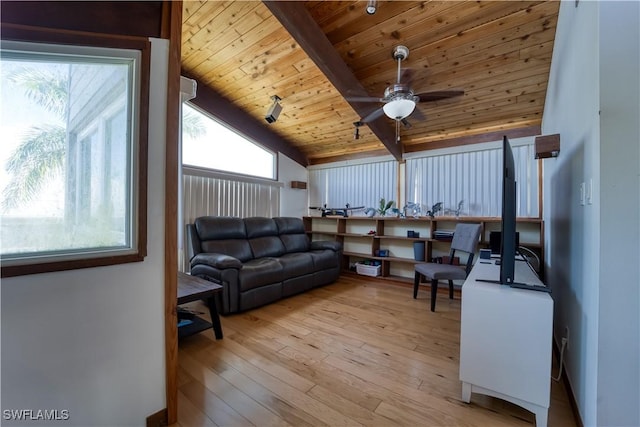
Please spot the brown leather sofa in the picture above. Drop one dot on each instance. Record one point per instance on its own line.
(259, 260)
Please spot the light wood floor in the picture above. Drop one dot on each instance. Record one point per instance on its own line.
(357, 352)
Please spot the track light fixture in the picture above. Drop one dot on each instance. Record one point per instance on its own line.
(371, 7)
(356, 132)
(274, 110)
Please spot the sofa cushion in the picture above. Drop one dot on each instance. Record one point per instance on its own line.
(223, 235)
(259, 227)
(292, 234)
(289, 225)
(296, 264)
(237, 248)
(259, 272)
(263, 237)
(268, 246)
(324, 259)
(295, 242)
(220, 228)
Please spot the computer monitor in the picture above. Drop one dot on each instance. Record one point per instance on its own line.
(495, 242)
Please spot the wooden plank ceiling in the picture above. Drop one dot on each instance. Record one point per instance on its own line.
(498, 52)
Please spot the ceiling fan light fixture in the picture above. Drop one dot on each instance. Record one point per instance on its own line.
(399, 108)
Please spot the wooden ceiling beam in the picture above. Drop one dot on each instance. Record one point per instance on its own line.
(305, 31)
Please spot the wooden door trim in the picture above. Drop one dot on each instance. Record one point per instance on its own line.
(172, 17)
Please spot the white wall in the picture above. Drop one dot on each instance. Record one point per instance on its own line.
(91, 341)
(293, 201)
(587, 292)
(619, 299)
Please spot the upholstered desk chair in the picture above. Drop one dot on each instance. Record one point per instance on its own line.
(465, 238)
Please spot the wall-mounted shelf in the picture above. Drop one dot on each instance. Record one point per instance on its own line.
(391, 234)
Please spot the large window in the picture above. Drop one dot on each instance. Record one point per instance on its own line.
(70, 156)
(360, 184)
(208, 144)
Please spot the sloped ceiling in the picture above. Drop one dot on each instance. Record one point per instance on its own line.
(315, 54)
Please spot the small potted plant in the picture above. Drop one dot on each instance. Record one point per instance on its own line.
(384, 206)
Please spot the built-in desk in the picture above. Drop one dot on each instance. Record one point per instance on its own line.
(505, 340)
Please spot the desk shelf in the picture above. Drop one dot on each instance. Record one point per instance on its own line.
(391, 234)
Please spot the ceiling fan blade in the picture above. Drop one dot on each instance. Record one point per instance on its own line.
(363, 99)
(375, 114)
(407, 76)
(437, 95)
(417, 114)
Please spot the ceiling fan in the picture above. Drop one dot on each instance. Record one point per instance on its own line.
(399, 99)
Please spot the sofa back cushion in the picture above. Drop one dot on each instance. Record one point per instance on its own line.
(225, 235)
(263, 237)
(292, 233)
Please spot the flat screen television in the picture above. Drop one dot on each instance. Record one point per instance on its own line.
(508, 234)
(508, 229)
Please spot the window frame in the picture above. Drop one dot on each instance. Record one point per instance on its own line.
(137, 250)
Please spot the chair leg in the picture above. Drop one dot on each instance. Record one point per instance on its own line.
(450, 289)
(416, 282)
(434, 292)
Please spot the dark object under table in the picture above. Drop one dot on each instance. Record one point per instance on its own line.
(191, 288)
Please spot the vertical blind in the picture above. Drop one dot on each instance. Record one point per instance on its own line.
(357, 185)
(210, 194)
(475, 178)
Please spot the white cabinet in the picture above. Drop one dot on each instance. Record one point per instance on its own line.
(505, 339)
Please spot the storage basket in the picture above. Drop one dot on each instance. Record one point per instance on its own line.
(368, 270)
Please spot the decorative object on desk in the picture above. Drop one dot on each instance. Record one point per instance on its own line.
(434, 210)
(370, 212)
(384, 206)
(414, 209)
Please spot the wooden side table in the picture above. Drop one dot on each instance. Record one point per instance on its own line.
(191, 288)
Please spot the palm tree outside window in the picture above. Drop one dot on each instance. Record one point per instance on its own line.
(68, 158)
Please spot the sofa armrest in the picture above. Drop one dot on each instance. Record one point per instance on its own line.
(215, 260)
(326, 244)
